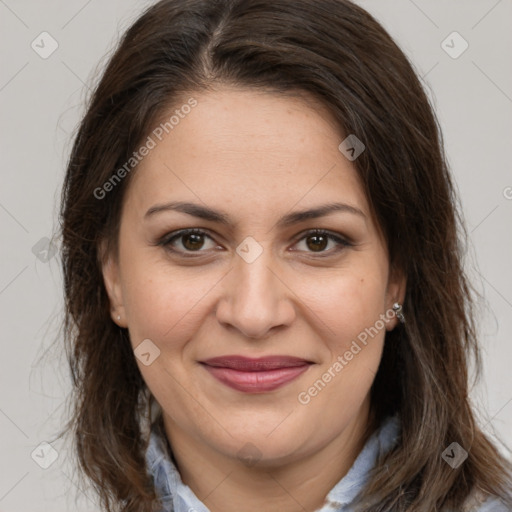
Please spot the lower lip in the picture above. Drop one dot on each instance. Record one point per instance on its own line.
(256, 382)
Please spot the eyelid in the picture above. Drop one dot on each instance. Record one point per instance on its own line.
(165, 241)
(321, 231)
(339, 239)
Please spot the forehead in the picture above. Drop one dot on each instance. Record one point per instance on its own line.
(247, 147)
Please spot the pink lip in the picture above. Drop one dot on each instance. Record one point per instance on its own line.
(255, 375)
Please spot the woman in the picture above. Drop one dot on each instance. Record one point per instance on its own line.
(266, 307)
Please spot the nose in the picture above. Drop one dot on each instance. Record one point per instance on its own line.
(254, 297)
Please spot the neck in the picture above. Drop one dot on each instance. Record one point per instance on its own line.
(226, 484)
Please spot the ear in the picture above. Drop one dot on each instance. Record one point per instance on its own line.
(397, 284)
(111, 278)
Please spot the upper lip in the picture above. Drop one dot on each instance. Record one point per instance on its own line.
(249, 364)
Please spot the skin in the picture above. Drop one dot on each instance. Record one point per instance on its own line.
(255, 156)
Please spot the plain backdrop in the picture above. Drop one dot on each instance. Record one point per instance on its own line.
(41, 101)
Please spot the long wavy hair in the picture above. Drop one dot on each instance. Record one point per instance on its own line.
(337, 52)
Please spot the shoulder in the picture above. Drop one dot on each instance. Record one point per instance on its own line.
(480, 502)
(491, 505)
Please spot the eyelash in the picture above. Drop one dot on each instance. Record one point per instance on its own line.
(167, 240)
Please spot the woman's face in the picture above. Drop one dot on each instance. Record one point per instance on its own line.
(258, 283)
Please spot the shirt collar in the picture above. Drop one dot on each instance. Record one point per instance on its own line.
(178, 497)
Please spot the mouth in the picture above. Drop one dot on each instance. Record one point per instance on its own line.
(259, 375)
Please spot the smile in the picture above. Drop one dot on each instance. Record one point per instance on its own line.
(256, 375)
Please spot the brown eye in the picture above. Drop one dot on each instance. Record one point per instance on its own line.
(317, 242)
(192, 241)
(187, 241)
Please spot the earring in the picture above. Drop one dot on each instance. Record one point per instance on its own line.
(118, 317)
(397, 308)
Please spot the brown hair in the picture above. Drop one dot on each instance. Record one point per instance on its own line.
(337, 52)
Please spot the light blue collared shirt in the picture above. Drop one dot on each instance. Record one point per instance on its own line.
(178, 497)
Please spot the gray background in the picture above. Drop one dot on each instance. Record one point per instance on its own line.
(41, 100)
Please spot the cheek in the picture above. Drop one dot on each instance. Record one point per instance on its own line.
(161, 299)
(161, 304)
(346, 302)
(351, 312)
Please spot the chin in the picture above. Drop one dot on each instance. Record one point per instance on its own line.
(257, 448)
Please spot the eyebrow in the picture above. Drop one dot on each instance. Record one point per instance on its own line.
(206, 213)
